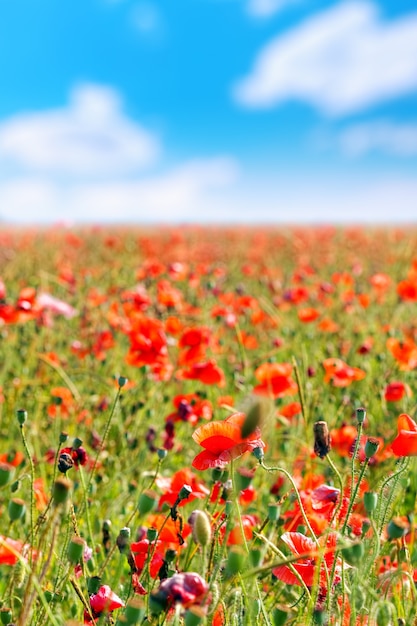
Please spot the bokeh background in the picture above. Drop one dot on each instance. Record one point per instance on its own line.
(208, 111)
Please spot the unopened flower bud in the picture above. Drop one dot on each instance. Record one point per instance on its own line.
(22, 416)
(63, 437)
(370, 501)
(274, 511)
(235, 561)
(5, 615)
(75, 549)
(122, 380)
(151, 534)
(147, 502)
(123, 539)
(253, 419)
(185, 492)
(258, 453)
(135, 611)
(7, 472)
(201, 527)
(194, 616)
(397, 528)
(322, 440)
(371, 447)
(354, 553)
(16, 509)
(61, 490)
(360, 415)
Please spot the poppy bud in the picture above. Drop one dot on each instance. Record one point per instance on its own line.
(194, 616)
(122, 380)
(22, 416)
(397, 528)
(384, 614)
(134, 612)
(6, 473)
(354, 553)
(360, 415)
(16, 509)
(77, 443)
(151, 534)
(274, 511)
(5, 615)
(75, 549)
(258, 453)
(185, 492)
(123, 540)
(322, 440)
(370, 501)
(63, 437)
(253, 419)
(279, 617)
(61, 490)
(147, 502)
(162, 453)
(201, 527)
(235, 561)
(371, 447)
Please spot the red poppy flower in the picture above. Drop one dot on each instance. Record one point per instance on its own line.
(104, 601)
(396, 391)
(275, 380)
(307, 549)
(208, 373)
(405, 443)
(171, 487)
(186, 589)
(340, 373)
(10, 548)
(223, 442)
(404, 352)
(141, 551)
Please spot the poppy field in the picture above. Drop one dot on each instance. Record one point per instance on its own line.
(208, 426)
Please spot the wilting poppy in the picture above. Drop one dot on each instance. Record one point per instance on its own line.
(405, 443)
(223, 442)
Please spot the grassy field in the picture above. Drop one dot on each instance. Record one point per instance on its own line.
(208, 426)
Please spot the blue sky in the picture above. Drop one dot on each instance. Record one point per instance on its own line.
(208, 111)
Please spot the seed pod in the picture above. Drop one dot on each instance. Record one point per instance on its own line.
(322, 440)
(16, 509)
(75, 549)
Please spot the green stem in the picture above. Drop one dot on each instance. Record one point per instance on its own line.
(354, 495)
(32, 492)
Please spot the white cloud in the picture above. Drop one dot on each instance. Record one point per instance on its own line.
(203, 192)
(380, 136)
(174, 195)
(340, 61)
(91, 136)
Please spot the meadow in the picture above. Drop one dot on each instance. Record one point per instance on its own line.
(208, 426)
